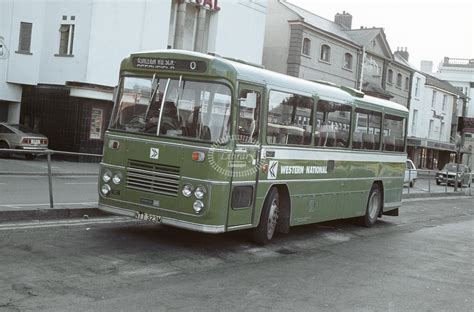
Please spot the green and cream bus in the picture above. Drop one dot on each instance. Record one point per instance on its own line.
(214, 145)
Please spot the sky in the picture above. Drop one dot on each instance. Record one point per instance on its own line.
(430, 29)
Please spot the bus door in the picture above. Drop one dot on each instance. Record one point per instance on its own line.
(246, 156)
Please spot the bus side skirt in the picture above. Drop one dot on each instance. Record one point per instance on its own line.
(393, 212)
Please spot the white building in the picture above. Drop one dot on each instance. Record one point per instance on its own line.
(69, 55)
(459, 73)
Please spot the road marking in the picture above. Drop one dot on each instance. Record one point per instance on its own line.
(81, 183)
(47, 204)
(64, 223)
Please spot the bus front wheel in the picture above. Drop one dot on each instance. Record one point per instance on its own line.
(374, 204)
(263, 233)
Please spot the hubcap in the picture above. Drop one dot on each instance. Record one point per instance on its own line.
(272, 218)
(373, 205)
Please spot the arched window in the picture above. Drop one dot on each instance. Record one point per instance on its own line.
(390, 76)
(348, 61)
(407, 83)
(399, 80)
(306, 46)
(325, 53)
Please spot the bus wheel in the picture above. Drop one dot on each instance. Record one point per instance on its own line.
(374, 205)
(263, 233)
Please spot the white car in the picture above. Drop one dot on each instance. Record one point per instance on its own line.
(410, 173)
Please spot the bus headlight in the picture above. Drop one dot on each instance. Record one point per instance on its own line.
(198, 206)
(200, 192)
(105, 189)
(107, 176)
(187, 190)
(117, 178)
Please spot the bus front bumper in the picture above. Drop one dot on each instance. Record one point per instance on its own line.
(213, 229)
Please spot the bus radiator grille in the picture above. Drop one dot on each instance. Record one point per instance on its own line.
(153, 178)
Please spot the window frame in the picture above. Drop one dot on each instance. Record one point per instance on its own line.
(267, 108)
(351, 61)
(366, 111)
(399, 80)
(70, 40)
(25, 36)
(351, 123)
(327, 48)
(390, 76)
(306, 49)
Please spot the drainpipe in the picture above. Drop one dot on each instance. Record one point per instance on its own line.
(361, 80)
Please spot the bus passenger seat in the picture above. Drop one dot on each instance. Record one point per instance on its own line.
(357, 140)
(369, 140)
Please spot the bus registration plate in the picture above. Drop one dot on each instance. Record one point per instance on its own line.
(147, 217)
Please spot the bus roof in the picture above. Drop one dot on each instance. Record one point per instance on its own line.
(241, 70)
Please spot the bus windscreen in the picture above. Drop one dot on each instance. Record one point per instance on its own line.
(191, 109)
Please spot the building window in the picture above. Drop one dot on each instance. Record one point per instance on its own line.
(441, 131)
(433, 99)
(390, 76)
(325, 53)
(413, 122)
(445, 100)
(66, 39)
(306, 46)
(417, 87)
(430, 129)
(348, 61)
(24, 42)
(399, 80)
(407, 83)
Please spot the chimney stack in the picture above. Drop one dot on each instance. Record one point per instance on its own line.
(402, 53)
(344, 20)
(427, 67)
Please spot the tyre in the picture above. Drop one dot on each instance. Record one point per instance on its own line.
(374, 204)
(437, 182)
(263, 233)
(412, 183)
(4, 154)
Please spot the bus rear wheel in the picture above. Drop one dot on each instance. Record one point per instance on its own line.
(374, 204)
(265, 230)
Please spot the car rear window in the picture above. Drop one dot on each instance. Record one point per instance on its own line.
(24, 129)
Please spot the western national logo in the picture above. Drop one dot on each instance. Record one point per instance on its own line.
(272, 170)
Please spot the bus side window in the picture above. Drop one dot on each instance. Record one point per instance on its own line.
(333, 124)
(393, 133)
(367, 129)
(290, 119)
(249, 102)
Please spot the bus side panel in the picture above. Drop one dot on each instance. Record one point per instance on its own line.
(393, 184)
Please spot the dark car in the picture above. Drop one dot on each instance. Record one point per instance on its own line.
(452, 172)
(16, 136)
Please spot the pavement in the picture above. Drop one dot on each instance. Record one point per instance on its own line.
(84, 192)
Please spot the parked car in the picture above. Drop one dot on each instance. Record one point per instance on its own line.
(16, 136)
(450, 171)
(410, 173)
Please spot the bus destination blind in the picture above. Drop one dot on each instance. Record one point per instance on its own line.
(169, 64)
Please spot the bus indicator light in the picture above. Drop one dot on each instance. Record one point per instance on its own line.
(199, 156)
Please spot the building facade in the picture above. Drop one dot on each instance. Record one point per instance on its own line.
(302, 44)
(459, 73)
(59, 64)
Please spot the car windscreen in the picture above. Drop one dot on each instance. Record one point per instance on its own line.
(452, 167)
(196, 110)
